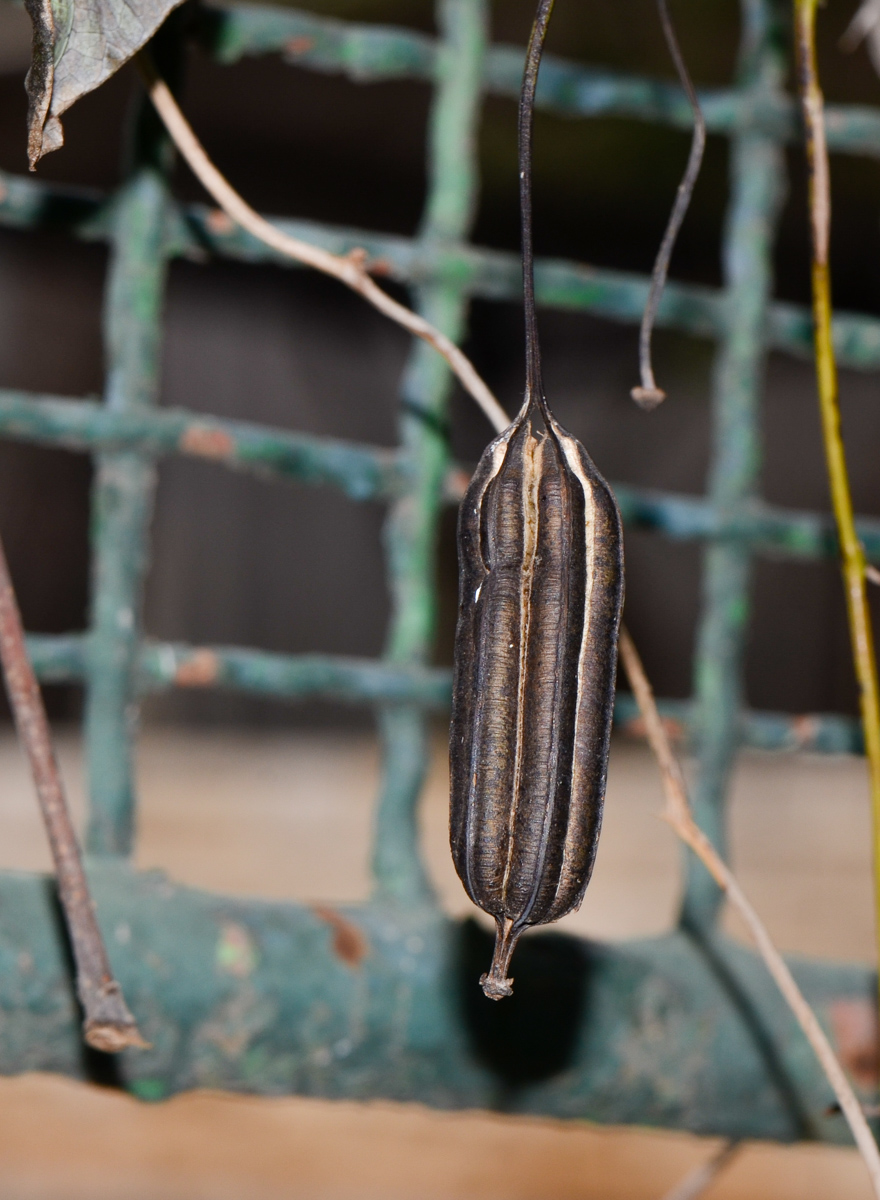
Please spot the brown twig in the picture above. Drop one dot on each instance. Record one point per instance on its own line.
(108, 1025)
(695, 1182)
(678, 814)
(350, 269)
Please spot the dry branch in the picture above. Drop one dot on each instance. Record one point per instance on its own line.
(108, 1025)
(351, 269)
(702, 1177)
(678, 814)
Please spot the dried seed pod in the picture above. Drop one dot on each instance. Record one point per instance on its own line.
(541, 585)
(540, 594)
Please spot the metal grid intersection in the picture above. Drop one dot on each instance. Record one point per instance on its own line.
(128, 432)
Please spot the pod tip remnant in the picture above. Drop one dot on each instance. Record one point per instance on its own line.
(648, 398)
(496, 984)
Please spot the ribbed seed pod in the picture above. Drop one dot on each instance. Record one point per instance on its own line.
(540, 594)
(540, 591)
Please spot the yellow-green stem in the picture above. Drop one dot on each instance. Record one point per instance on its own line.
(852, 554)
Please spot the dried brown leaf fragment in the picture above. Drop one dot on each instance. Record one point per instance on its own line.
(78, 45)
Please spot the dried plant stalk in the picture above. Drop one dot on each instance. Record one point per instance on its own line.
(648, 395)
(108, 1025)
(678, 814)
(853, 562)
(351, 269)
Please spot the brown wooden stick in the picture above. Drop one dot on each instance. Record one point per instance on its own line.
(108, 1025)
(697, 1182)
(678, 814)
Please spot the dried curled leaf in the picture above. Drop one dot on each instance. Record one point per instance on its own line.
(78, 44)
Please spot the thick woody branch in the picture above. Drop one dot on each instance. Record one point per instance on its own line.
(108, 1025)
(351, 269)
(678, 814)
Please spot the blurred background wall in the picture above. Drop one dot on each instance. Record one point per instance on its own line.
(295, 569)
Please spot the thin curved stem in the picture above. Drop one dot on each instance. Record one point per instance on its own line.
(679, 815)
(351, 269)
(649, 395)
(534, 384)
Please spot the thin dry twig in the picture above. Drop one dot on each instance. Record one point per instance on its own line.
(872, 574)
(852, 554)
(697, 1181)
(648, 395)
(865, 26)
(678, 814)
(351, 269)
(108, 1025)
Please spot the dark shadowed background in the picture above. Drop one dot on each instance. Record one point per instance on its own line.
(294, 569)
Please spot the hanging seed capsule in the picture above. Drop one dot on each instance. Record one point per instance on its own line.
(540, 594)
(541, 584)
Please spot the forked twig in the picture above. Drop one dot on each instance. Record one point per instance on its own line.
(350, 269)
(648, 395)
(695, 1182)
(108, 1025)
(678, 814)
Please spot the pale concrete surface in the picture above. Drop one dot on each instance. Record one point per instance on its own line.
(289, 815)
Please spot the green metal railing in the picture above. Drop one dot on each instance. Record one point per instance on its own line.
(126, 433)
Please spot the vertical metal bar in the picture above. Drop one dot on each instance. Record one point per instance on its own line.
(411, 528)
(122, 498)
(756, 170)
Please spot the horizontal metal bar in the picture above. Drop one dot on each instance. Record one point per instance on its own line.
(497, 275)
(484, 274)
(64, 659)
(373, 53)
(381, 1000)
(163, 665)
(361, 472)
(768, 530)
(371, 472)
(815, 733)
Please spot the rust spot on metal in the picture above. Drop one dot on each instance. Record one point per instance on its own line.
(297, 46)
(219, 222)
(207, 443)
(455, 483)
(805, 729)
(199, 669)
(349, 943)
(854, 1024)
(635, 728)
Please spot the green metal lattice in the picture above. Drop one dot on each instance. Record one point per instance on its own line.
(417, 1039)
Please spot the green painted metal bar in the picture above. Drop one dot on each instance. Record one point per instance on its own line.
(373, 1002)
(122, 506)
(165, 665)
(411, 526)
(373, 53)
(765, 529)
(757, 174)
(361, 472)
(483, 274)
(374, 473)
